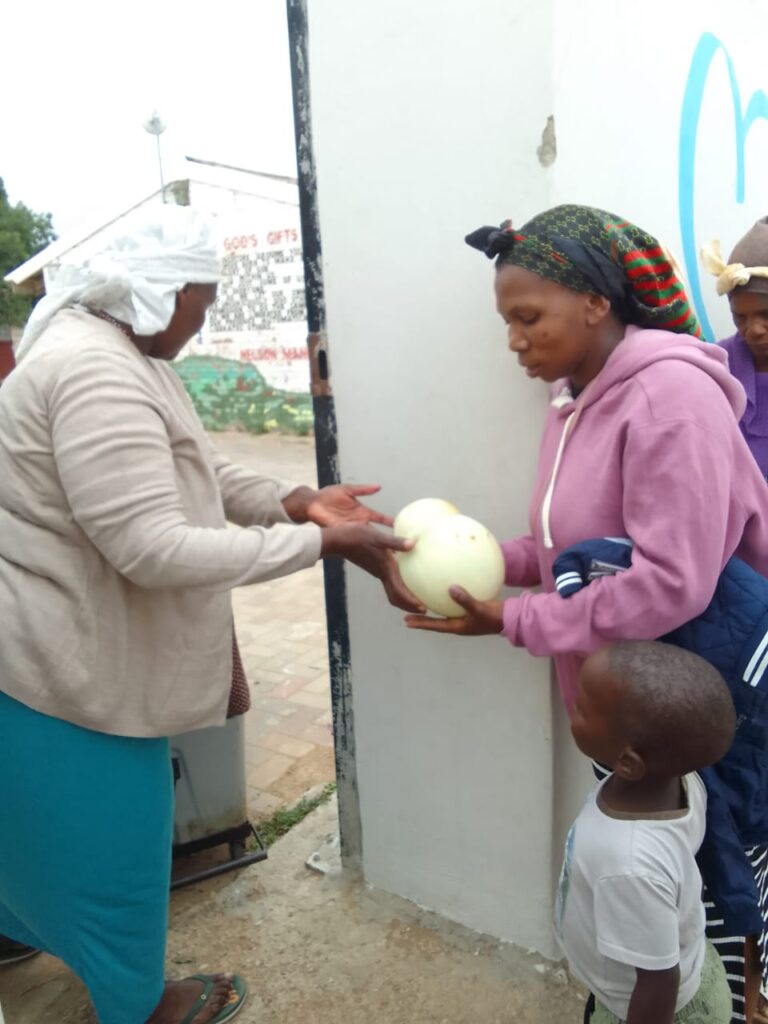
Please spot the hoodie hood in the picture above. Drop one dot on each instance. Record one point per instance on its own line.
(640, 348)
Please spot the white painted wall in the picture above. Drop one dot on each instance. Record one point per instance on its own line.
(415, 147)
(623, 132)
(427, 118)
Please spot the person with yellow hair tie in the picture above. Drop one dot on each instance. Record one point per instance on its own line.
(744, 279)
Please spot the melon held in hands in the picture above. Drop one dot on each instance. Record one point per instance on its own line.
(452, 550)
(412, 520)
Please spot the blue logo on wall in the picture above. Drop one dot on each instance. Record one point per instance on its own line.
(757, 107)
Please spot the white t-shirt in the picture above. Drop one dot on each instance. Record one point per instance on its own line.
(630, 896)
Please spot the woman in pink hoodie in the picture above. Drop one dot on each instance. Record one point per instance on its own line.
(641, 441)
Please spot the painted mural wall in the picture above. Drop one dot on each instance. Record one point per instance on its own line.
(249, 368)
(672, 131)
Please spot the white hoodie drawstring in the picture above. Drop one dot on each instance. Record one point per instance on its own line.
(546, 504)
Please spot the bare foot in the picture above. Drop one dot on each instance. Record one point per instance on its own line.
(179, 997)
(760, 1015)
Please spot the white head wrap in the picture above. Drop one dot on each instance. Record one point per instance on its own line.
(729, 275)
(136, 276)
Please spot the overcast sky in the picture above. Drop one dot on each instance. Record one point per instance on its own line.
(80, 78)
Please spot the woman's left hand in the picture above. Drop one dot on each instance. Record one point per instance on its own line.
(483, 618)
(335, 505)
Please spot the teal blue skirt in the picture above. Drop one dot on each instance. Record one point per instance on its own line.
(86, 825)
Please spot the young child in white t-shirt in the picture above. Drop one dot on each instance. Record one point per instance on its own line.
(629, 915)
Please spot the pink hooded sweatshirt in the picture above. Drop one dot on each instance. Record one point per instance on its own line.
(651, 450)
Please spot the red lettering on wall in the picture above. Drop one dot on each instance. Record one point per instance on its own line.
(270, 353)
(283, 237)
(258, 355)
(238, 243)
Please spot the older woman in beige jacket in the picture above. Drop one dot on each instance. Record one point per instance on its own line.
(116, 566)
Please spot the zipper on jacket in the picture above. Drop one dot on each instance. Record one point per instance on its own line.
(546, 504)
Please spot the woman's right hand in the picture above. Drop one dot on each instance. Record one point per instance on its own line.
(373, 550)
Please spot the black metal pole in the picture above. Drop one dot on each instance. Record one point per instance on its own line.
(325, 438)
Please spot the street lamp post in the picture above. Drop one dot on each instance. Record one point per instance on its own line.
(156, 126)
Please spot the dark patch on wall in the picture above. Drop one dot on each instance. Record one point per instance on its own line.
(547, 151)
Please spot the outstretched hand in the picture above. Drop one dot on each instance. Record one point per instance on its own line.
(483, 618)
(334, 505)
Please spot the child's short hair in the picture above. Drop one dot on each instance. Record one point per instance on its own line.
(675, 706)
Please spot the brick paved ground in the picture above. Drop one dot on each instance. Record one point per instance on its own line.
(282, 637)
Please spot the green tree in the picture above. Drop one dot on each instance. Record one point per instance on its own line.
(22, 234)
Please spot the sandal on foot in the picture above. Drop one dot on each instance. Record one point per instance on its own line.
(14, 952)
(237, 996)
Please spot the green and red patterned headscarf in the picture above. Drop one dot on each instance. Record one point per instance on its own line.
(589, 250)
